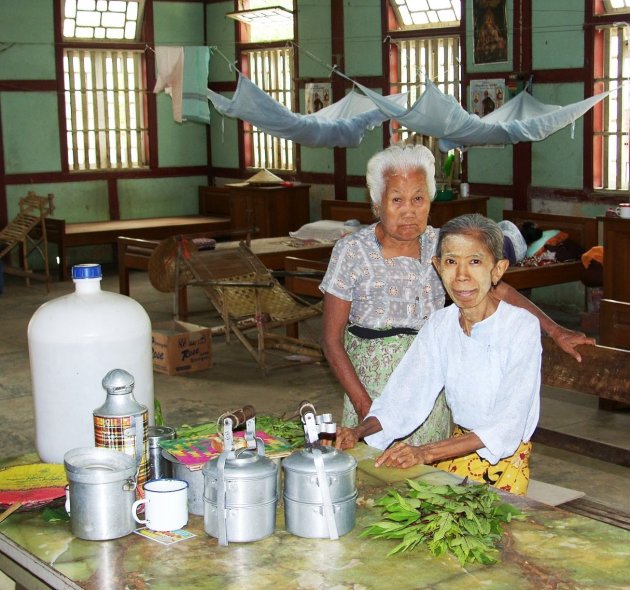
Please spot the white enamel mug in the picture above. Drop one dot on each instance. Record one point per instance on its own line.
(165, 504)
(623, 210)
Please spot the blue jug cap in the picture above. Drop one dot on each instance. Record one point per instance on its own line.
(87, 271)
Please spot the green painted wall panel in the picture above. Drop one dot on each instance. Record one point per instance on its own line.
(178, 23)
(557, 34)
(494, 208)
(568, 296)
(315, 39)
(74, 201)
(27, 35)
(557, 160)
(490, 165)
(224, 138)
(30, 132)
(358, 194)
(160, 197)
(180, 144)
(220, 32)
(358, 157)
(363, 37)
(317, 160)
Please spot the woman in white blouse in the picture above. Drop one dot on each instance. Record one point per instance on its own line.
(484, 352)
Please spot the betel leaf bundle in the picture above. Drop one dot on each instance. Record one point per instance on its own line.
(465, 520)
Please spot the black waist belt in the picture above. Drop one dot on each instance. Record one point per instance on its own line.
(369, 333)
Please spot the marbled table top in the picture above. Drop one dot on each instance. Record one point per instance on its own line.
(551, 548)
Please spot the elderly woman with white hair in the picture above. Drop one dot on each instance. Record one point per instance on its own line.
(380, 288)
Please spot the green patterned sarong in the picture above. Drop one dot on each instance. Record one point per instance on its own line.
(374, 361)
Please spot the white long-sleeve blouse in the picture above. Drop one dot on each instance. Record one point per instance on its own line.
(491, 378)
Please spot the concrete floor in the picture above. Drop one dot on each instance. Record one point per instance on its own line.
(235, 380)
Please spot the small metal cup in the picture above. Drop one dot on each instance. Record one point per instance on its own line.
(159, 467)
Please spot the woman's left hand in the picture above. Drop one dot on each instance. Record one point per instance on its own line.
(401, 455)
(567, 340)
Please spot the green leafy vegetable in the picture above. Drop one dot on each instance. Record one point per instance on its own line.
(159, 417)
(55, 514)
(290, 430)
(463, 519)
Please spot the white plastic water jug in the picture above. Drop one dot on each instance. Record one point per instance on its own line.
(73, 341)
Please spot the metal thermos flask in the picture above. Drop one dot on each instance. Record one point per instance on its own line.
(121, 423)
(159, 467)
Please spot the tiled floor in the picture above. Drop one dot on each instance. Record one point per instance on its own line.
(235, 380)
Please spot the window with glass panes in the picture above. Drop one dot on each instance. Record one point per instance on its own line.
(268, 24)
(611, 129)
(104, 88)
(270, 69)
(426, 56)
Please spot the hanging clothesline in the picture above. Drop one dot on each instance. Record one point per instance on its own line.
(345, 122)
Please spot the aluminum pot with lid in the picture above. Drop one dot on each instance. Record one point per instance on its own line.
(244, 488)
(300, 477)
(101, 492)
(309, 502)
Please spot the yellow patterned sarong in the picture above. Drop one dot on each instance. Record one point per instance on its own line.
(510, 474)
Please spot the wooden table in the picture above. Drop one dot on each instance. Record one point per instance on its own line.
(551, 548)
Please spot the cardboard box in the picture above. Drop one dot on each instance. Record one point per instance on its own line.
(179, 347)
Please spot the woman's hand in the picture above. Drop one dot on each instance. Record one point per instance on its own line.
(567, 340)
(402, 455)
(346, 438)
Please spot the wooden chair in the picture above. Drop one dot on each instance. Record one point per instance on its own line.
(252, 304)
(28, 230)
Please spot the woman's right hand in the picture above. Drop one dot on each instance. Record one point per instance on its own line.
(346, 438)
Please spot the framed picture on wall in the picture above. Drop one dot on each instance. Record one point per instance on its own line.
(317, 96)
(486, 96)
(490, 38)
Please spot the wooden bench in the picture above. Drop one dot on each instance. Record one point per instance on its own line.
(582, 230)
(603, 372)
(69, 235)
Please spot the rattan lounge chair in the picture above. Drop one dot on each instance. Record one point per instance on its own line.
(252, 304)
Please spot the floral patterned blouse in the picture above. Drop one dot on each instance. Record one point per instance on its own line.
(398, 292)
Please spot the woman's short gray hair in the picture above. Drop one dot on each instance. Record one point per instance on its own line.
(483, 228)
(399, 158)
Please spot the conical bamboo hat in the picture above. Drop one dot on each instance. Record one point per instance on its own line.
(265, 177)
